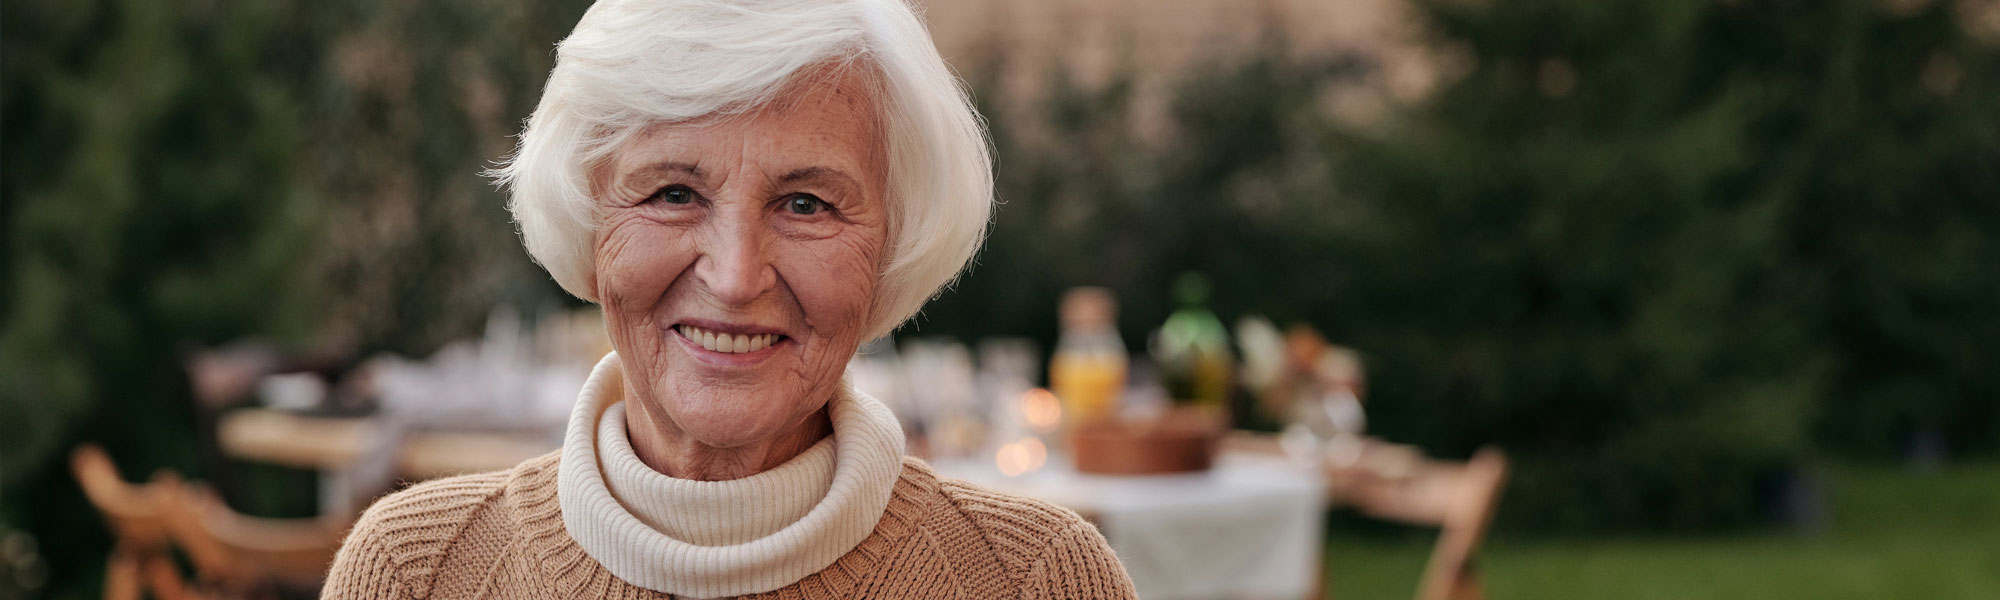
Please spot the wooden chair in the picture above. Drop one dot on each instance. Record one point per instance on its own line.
(242, 556)
(1458, 498)
(1395, 482)
(141, 559)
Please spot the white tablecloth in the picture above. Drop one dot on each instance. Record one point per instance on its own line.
(1249, 528)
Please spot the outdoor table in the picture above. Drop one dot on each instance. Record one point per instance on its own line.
(336, 446)
(1248, 528)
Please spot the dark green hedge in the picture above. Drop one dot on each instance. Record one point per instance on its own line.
(1665, 253)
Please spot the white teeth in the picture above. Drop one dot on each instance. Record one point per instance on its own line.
(727, 343)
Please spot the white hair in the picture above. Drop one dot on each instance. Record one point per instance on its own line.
(634, 63)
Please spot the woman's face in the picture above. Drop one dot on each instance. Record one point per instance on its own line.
(738, 257)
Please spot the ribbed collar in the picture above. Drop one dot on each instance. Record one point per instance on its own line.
(711, 513)
(723, 538)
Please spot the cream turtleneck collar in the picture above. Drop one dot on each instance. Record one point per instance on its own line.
(722, 538)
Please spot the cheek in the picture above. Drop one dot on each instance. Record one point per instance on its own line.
(636, 262)
(834, 280)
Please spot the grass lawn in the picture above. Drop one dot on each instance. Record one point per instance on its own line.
(1893, 534)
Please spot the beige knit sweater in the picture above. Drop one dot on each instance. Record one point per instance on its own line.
(502, 535)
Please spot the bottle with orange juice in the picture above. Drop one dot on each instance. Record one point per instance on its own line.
(1088, 369)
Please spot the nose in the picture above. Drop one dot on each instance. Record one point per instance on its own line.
(736, 264)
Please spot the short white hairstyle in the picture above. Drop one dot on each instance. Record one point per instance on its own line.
(634, 63)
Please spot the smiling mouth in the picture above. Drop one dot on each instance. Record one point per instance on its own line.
(715, 341)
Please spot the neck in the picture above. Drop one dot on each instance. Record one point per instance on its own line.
(665, 448)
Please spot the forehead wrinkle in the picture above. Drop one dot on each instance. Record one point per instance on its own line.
(670, 139)
(805, 143)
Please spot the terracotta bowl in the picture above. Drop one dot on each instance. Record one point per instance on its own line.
(1181, 440)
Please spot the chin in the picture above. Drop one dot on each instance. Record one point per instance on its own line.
(731, 417)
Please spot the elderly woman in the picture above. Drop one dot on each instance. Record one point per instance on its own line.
(749, 190)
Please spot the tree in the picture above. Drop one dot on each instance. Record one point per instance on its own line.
(1651, 247)
(185, 174)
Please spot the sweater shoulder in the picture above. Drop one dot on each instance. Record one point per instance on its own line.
(1019, 529)
(1047, 550)
(402, 539)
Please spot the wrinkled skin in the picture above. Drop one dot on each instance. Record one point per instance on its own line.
(772, 221)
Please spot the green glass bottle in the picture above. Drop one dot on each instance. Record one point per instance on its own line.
(1192, 348)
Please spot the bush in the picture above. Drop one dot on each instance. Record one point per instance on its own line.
(186, 174)
(1660, 252)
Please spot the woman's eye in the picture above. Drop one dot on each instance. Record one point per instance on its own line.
(804, 204)
(674, 195)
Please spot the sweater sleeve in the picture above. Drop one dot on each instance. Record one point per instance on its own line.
(395, 548)
(1078, 564)
(362, 568)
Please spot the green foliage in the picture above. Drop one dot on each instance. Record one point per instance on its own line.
(183, 174)
(148, 202)
(1238, 187)
(1683, 238)
(1658, 251)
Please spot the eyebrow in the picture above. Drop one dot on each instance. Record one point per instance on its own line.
(816, 173)
(671, 167)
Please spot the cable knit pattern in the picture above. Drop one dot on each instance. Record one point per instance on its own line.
(503, 536)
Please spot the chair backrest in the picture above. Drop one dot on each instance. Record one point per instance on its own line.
(1476, 487)
(141, 556)
(243, 552)
(132, 512)
(1398, 484)
(1395, 482)
(213, 561)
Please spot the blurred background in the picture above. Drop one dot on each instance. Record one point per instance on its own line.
(1719, 277)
